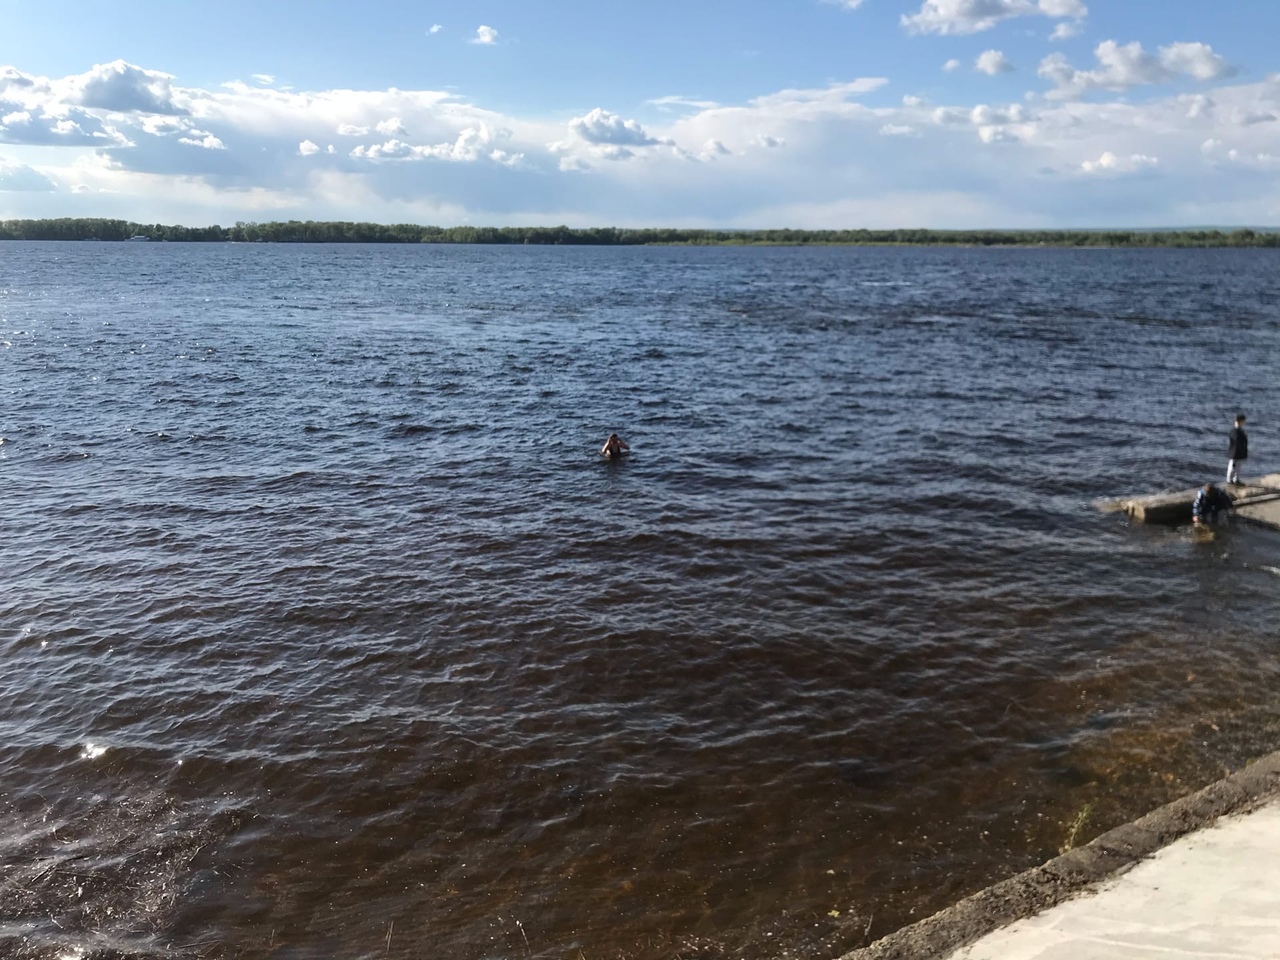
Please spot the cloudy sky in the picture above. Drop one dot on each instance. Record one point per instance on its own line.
(724, 113)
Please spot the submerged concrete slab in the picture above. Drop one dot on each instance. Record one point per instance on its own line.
(1212, 894)
(1175, 506)
(1243, 855)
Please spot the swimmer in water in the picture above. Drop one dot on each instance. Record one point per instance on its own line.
(613, 447)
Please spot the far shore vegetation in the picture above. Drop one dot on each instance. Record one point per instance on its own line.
(310, 231)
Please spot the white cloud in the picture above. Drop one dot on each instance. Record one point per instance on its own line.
(819, 98)
(475, 143)
(159, 125)
(992, 124)
(1261, 161)
(1249, 118)
(1063, 8)
(995, 134)
(1198, 105)
(952, 65)
(984, 115)
(13, 79)
(18, 177)
(434, 29)
(470, 145)
(974, 16)
(1122, 67)
(122, 88)
(1195, 60)
(946, 162)
(391, 150)
(602, 127)
(485, 36)
(265, 79)
(208, 141)
(712, 149)
(992, 62)
(688, 103)
(610, 151)
(1110, 163)
(1066, 31)
(34, 116)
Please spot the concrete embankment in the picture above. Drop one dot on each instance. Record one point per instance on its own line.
(1210, 882)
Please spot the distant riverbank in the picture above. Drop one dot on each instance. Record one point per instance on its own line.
(311, 231)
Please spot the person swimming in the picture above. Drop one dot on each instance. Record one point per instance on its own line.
(613, 448)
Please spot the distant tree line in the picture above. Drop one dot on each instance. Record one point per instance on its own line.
(312, 231)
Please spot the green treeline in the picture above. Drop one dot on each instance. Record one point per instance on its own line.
(297, 231)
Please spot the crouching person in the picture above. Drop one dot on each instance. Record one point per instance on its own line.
(1211, 506)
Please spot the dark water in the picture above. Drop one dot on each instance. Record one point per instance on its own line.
(327, 634)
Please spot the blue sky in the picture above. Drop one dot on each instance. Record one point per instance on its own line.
(801, 113)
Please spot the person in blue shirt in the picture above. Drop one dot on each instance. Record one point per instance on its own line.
(1210, 505)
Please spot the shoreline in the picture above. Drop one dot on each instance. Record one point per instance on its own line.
(98, 229)
(1078, 871)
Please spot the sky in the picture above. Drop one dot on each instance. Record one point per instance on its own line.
(742, 114)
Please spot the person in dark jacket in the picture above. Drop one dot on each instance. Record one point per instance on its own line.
(1210, 504)
(1237, 449)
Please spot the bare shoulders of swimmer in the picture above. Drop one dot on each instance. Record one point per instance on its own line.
(613, 446)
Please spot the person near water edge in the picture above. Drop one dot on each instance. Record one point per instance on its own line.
(1237, 449)
(613, 448)
(1210, 505)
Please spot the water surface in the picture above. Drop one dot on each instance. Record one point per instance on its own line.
(326, 633)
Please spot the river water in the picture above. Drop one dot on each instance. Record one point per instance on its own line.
(326, 632)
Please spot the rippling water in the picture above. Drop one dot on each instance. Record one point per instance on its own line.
(326, 633)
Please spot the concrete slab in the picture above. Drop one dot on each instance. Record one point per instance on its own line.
(1175, 506)
(1212, 894)
(1225, 893)
(1265, 512)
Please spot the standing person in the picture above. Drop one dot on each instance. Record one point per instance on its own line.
(1237, 449)
(613, 447)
